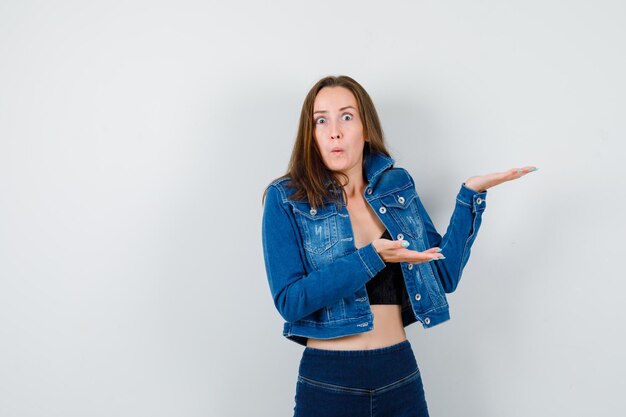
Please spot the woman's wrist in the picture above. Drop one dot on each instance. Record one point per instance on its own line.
(474, 187)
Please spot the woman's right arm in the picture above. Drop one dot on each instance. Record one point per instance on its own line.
(297, 293)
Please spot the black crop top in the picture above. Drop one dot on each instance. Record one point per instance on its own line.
(387, 286)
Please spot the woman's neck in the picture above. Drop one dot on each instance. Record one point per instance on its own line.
(356, 183)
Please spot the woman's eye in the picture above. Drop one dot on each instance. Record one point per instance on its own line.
(348, 115)
(320, 120)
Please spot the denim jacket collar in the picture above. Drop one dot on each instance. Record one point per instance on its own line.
(375, 164)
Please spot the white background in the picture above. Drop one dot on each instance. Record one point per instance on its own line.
(136, 139)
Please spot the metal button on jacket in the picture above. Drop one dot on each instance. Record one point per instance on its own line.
(417, 298)
(410, 266)
(401, 200)
(383, 210)
(427, 320)
(313, 212)
(369, 191)
(400, 236)
(479, 200)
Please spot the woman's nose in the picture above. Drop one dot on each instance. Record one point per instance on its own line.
(335, 132)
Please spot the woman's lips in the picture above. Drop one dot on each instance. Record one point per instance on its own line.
(336, 150)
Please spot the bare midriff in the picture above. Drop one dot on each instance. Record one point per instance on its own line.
(388, 330)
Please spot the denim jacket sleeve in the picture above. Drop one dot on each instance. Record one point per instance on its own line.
(296, 291)
(456, 243)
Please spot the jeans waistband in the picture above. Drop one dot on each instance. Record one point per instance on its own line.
(404, 345)
(367, 369)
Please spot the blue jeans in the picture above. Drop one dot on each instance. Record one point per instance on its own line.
(383, 382)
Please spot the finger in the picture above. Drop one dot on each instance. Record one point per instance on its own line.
(435, 249)
(419, 257)
(515, 173)
(391, 248)
(386, 243)
(434, 255)
(525, 170)
(401, 244)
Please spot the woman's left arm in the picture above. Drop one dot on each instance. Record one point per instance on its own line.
(466, 219)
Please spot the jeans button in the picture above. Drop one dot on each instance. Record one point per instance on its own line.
(410, 266)
(382, 210)
(427, 321)
(479, 200)
(401, 200)
(400, 236)
(369, 191)
(417, 298)
(313, 212)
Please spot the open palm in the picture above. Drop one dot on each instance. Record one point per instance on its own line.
(481, 183)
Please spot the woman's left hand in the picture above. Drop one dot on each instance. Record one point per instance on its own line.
(481, 183)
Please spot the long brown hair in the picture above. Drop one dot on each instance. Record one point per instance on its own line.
(306, 167)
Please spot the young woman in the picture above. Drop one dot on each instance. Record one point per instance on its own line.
(352, 258)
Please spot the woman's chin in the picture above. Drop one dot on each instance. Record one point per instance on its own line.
(336, 167)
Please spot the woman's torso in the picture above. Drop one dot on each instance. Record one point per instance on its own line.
(388, 328)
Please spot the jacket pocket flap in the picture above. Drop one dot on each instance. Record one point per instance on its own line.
(320, 213)
(400, 199)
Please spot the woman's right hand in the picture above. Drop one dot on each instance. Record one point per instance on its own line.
(393, 251)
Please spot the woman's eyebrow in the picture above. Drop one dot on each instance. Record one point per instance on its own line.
(341, 109)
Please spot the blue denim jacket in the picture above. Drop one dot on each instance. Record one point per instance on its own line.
(317, 276)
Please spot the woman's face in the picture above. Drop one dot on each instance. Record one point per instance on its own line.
(338, 130)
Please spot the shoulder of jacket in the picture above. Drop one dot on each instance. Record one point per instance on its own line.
(398, 174)
(280, 185)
